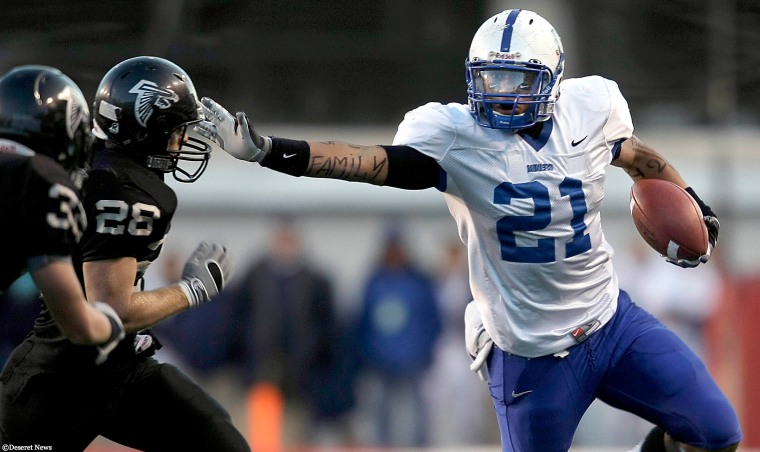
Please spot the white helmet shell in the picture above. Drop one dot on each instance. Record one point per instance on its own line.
(518, 35)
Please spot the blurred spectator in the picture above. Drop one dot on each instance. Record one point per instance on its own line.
(682, 299)
(450, 381)
(283, 311)
(397, 332)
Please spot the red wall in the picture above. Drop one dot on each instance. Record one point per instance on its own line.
(733, 338)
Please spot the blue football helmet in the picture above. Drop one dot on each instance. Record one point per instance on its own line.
(514, 68)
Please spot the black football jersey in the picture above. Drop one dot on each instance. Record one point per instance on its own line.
(129, 210)
(40, 212)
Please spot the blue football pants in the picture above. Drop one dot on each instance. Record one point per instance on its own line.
(633, 363)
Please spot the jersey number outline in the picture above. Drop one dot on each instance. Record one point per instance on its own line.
(543, 252)
(114, 213)
(70, 214)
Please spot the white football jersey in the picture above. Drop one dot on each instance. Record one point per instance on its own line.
(528, 210)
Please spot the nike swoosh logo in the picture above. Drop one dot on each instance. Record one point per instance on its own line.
(518, 394)
(287, 156)
(576, 143)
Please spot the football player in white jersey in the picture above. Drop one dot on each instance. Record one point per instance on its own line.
(522, 167)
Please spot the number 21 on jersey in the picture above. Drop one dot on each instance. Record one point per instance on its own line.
(543, 252)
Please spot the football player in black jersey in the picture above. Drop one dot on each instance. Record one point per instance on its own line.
(44, 125)
(53, 395)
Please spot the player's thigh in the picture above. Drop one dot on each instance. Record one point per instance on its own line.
(660, 379)
(533, 397)
(164, 409)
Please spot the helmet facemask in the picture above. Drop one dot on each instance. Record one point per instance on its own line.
(182, 146)
(509, 95)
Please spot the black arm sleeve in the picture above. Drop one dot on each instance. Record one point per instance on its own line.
(410, 169)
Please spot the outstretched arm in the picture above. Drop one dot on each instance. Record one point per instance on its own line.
(330, 159)
(395, 166)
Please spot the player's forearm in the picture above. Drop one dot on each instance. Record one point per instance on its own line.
(328, 159)
(151, 307)
(80, 322)
(643, 162)
(338, 160)
(63, 295)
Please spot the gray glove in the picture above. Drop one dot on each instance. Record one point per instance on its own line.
(234, 134)
(206, 273)
(479, 344)
(712, 228)
(117, 331)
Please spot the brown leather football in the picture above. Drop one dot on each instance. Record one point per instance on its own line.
(668, 219)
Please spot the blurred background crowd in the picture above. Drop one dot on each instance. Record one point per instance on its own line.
(344, 320)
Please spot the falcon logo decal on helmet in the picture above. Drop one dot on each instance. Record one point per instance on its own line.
(74, 115)
(148, 95)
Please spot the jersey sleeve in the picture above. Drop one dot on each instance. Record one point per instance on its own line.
(427, 129)
(619, 125)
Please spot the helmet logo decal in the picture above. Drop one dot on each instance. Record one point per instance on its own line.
(74, 113)
(503, 55)
(150, 94)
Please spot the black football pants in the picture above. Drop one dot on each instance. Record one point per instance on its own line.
(153, 407)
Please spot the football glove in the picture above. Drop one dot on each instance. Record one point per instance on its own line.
(206, 273)
(117, 331)
(234, 134)
(477, 340)
(713, 226)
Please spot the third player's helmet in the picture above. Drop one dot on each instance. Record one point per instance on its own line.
(140, 103)
(516, 60)
(44, 111)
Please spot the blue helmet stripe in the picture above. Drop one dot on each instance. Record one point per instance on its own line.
(506, 37)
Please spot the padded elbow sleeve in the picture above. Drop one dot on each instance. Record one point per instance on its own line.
(410, 169)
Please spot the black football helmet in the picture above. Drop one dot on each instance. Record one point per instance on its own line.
(140, 105)
(44, 111)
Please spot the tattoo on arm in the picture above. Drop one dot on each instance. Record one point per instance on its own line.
(352, 167)
(646, 162)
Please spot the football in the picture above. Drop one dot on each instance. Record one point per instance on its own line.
(668, 219)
